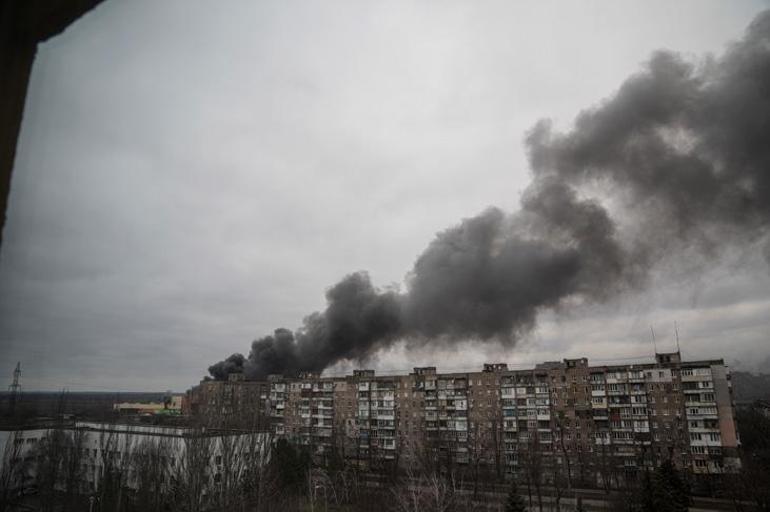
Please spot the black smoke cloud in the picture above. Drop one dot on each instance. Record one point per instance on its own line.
(233, 364)
(681, 152)
(357, 317)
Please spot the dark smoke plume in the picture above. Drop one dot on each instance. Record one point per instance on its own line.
(233, 364)
(682, 154)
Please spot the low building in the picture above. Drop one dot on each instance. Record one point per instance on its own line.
(171, 405)
(129, 449)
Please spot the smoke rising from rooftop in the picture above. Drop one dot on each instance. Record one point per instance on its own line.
(681, 152)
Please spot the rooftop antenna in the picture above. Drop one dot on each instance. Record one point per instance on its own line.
(14, 388)
(676, 330)
(654, 343)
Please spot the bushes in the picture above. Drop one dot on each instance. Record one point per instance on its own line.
(515, 503)
(664, 490)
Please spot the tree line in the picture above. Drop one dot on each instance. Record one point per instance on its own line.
(213, 467)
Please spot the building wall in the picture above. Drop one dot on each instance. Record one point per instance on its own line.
(101, 444)
(232, 403)
(568, 413)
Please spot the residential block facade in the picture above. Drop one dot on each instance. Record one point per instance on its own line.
(595, 420)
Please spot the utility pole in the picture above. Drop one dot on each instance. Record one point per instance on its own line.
(14, 390)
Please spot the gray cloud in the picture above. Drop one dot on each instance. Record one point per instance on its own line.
(188, 179)
(690, 144)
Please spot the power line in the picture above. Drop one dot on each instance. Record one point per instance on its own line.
(14, 389)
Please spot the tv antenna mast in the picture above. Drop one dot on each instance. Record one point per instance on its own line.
(654, 343)
(676, 331)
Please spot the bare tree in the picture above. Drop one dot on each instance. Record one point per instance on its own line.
(150, 473)
(754, 481)
(604, 462)
(533, 467)
(425, 492)
(51, 454)
(582, 458)
(230, 466)
(59, 469)
(13, 470)
(561, 420)
(114, 466)
(74, 472)
(475, 455)
(558, 481)
(260, 481)
(191, 484)
(496, 438)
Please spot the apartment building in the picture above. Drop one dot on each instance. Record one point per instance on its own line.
(236, 402)
(303, 410)
(376, 415)
(591, 421)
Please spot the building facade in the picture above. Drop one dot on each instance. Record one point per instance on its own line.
(590, 423)
(235, 402)
(90, 450)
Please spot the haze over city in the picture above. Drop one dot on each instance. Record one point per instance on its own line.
(189, 180)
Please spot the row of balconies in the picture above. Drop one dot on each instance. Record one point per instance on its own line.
(704, 430)
(703, 415)
(696, 374)
(699, 403)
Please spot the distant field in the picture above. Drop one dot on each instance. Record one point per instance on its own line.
(82, 404)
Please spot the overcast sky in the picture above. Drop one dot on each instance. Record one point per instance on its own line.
(191, 176)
